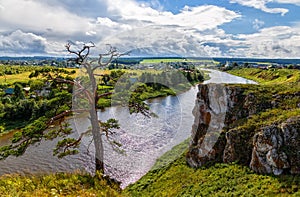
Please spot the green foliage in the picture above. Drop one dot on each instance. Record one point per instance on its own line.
(138, 87)
(36, 84)
(17, 137)
(61, 130)
(104, 102)
(65, 143)
(171, 156)
(30, 134)
(270, 76)
(110, 124)
(173, 179)
(59, 184)
(274, 103)
(276, 98)
(18, 92)
(12, 70)
(177, 179)
(2, 128)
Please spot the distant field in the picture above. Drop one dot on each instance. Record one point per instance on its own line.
(10, 79)
(166, 60)
(23, 77)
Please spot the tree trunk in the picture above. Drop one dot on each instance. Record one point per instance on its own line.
(96, 131)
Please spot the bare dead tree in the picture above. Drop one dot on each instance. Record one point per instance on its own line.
(92, 96)
(39, 129)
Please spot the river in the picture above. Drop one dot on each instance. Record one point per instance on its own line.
(143, 139)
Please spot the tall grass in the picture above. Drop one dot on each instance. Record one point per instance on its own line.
(59, 184)
(177, 179)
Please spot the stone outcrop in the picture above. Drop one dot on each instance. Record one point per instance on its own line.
(215, 138)
(267, 154)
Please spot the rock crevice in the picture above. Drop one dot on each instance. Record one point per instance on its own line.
(271, 149)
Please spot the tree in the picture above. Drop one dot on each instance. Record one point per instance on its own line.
(85, 88)
(105, 78)
(92, 96)
(36, 85)
(18, 91)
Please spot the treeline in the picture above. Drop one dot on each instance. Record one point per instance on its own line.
(21, 103)
(24, 102)
(153, 84)
(12, 70)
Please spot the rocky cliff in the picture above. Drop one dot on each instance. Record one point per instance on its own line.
(218, 133)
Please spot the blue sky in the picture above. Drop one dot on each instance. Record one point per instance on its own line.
(212, 28)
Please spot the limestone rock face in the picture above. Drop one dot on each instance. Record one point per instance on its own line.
(267, 154)
(212, 104)
(291, 139)
(271, 149)
(277, 148)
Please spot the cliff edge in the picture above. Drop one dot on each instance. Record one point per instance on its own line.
(236, 124)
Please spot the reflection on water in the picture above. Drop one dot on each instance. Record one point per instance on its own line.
(143, 139)
(222, 77)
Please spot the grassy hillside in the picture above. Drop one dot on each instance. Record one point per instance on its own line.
(166, 179)
(60, 184)
(177, 179)
(278, 87)
(270, 76)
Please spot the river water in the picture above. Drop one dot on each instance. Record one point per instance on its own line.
(143, 139)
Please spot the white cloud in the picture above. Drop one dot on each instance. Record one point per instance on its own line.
(257, 24)
(157, 40)
(106, 22)
(261, 5)
(296, 2)
(143, 27)
(22, 43)
(274, 42)
(200, 17)
(167, 33)
(32, 15)
(59, 21)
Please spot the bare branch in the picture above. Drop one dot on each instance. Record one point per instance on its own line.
(102, 95)
(81, 54)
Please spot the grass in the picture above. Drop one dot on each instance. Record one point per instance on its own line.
(170, 60)
(169, 177)
(59, 184)
(10, 79)
(177, 179)
(276, 86)
(165, 60)
(23, 77)
(270, 76)
(171, 155)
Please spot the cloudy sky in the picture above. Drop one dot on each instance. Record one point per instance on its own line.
(214, 28)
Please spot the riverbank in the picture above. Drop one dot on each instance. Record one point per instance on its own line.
(144, 140)
(173, 179)
(173, 176)
(278, 104)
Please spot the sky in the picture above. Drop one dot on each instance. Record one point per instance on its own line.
(185, 28)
